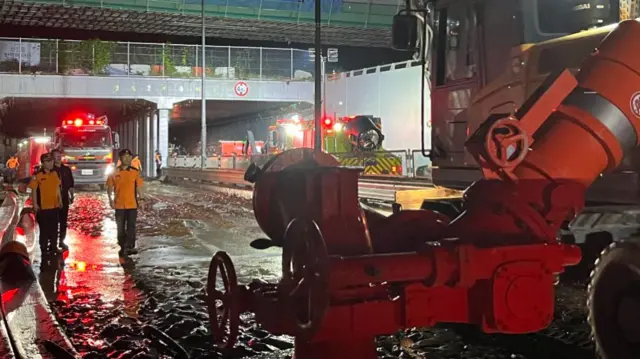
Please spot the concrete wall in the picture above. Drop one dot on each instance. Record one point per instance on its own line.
(236, 131)
(391, 92)
(149, 88)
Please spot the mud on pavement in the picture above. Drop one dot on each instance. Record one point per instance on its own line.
(154, 305)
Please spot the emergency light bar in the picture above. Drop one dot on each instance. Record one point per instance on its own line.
(100, 121)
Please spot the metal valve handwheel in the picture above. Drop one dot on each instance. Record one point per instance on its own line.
(224, 314)
(305, 275)
(506, 143)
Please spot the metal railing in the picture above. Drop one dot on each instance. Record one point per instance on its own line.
(408, 163)
(104, 58)
(377, 189)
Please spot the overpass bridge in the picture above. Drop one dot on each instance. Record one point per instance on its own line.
(344, 22)
(163, 74)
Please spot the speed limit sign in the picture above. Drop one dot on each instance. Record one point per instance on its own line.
(241, 89)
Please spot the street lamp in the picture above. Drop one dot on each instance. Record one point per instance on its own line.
(318, 78)
(203, 119)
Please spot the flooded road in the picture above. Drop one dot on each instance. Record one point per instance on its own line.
(114, 308)
(153, 305)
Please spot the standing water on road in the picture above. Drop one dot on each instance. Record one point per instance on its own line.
(154, 304)
(104, 302)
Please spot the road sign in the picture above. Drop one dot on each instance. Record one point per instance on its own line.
(332, 54)
(241, 88)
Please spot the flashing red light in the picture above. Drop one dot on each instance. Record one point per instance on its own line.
(328, 122)
(91, 122)
(78, 122)
(20, 231)
(100, 122)
(69, 122)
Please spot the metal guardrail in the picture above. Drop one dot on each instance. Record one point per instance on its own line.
(105, 58)
(383, 190)
(413, 164)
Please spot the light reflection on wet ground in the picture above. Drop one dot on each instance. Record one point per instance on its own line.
(104, 301)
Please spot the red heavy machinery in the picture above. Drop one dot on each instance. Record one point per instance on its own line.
(348, 275)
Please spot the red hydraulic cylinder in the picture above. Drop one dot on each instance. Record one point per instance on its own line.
(598, 123)
(589, 132)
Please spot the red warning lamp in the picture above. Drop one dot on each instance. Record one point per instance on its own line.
(69, 122)
(91, 122)
(327, 122)
(78, 122)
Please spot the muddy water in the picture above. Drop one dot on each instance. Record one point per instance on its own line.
(153, 305)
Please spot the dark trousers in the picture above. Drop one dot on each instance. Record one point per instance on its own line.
(11, 175)
(48, 223)
(126, 223)
(158, 171)
(63, 218)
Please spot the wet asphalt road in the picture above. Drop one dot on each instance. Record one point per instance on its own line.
(115, 308)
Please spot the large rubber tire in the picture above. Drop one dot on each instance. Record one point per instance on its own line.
(614, 302)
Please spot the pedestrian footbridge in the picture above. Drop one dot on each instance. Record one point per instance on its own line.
(161, 73)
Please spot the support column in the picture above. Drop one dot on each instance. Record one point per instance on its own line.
(136, 132)
(154, 132)
(132, 135)
(127, 129)
(163, 134)
(148, 144)
(124, 135)
(161, 128)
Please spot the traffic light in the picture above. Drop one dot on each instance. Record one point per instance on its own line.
(327, 122)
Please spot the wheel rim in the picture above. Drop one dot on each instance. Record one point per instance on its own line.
(224, 317)
(305, 273)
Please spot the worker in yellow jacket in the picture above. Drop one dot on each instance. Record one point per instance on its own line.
(12, 168)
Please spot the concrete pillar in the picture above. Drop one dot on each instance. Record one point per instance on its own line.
(147, 143)
(159, 130)
(136, 132)
(126, 135)
(123, 136)
(163, 134)
(127, 130)
(154, 131)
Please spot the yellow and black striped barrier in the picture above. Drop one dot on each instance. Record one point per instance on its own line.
(377, 164)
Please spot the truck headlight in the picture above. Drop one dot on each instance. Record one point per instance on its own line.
(108, 170)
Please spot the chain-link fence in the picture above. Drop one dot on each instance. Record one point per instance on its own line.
(104, 58)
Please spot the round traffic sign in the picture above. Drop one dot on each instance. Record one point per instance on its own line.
(241, 88)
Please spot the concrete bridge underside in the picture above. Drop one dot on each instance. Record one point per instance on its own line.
(148, 132)
(344, 22)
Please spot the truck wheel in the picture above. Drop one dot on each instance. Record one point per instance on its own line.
(614, 302)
